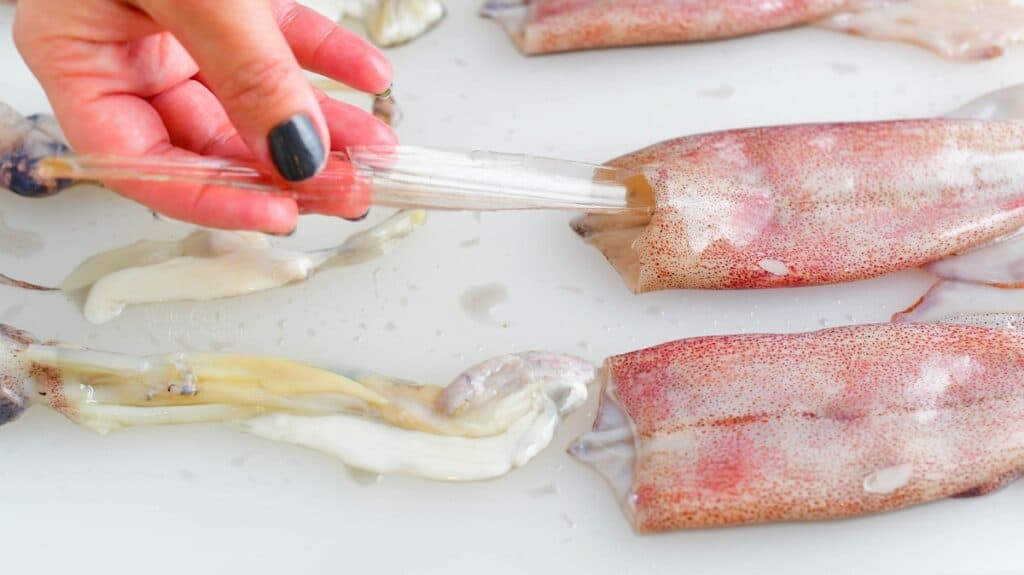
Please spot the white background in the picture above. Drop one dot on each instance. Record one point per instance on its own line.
(210, 499)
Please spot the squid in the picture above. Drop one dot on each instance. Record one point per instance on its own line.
(203, 265)
(955, 29)
(818, 203)
(743, 429)
(490, 419)
(388, 22)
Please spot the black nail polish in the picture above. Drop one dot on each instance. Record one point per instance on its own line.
(296, 148)
(359, 218)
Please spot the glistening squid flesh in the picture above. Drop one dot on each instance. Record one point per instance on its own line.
(388, 22)
(817, 203)
(213, 264)
(957, 29)
(206, 264)
(728, 430)
(492, 418)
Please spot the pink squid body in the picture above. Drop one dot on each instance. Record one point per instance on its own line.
(542, 26)
(814, 204)
(955, 29)
(836, 423)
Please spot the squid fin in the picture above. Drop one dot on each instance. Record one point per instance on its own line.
(1003, 104)
(967, 303)
(999, 263)
(954, 29)
(996, 484)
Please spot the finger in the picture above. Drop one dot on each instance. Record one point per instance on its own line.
(121, 124)
(252, 70)
(324, 47)
(352, 126)
(349, 125)
(338, 191)
(196, 121)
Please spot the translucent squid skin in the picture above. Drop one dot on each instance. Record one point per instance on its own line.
(817, 203)
(562, 25)
(844, 422)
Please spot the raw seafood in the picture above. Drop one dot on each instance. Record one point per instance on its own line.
(493, 417)
(818, 203)
(727, 430)
(212, 264)
(957, 29)
(23, 141)
(388, 22)
(206, 264)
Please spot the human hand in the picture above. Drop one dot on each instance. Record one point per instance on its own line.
(186, 78)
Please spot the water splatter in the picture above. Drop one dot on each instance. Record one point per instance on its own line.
(19, 243)
(544, 490)
(723, 92)
(363, 477)
(478, 302)
(844, 68)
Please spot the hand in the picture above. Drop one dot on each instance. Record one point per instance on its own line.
(205, 77)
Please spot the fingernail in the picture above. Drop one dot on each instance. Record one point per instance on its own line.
(287, 234)
(296, 148)
(359, 218)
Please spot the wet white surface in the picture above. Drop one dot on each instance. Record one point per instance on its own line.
(206, 498)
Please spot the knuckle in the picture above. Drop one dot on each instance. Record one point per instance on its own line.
(257, 84)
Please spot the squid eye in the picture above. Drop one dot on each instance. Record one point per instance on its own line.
(10, 409)
(17, 173)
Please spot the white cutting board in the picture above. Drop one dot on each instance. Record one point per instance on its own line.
(208, 499)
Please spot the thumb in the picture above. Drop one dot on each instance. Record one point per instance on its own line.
(245, 59)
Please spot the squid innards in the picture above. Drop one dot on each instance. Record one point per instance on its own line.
(203, 265)
(956, 29)
(492, 418)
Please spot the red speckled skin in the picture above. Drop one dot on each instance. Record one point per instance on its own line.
(757, 428)
(562, 25)
(824, 203)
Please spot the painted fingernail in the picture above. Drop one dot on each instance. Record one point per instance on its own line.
(359, 218)
(296, 148)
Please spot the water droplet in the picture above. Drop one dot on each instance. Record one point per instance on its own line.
(723, 92)
(843, 68)
(569, 521)
(544, 490)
